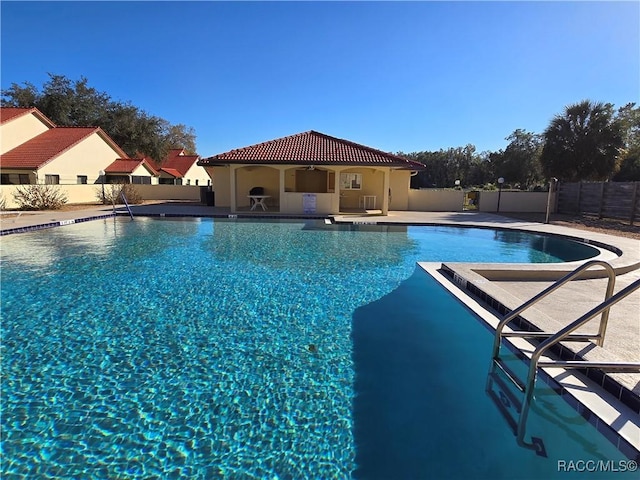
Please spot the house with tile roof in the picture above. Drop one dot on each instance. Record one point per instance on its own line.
(310, 172)
(182, 169)
(34, 150)
(131, 170)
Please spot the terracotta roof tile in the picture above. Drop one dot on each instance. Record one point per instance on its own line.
(310, 148)
(128, 165)
(176, 160)
(9, 113)
(173, 172)
(43, 148)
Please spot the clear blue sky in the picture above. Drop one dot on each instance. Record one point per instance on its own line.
(392, 75)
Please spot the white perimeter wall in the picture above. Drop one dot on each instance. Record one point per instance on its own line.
(89, 193)
(431, 200)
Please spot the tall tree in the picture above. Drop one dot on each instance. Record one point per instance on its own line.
(629, 117)
(519, 163)
(75, 103)
(444, 167)
(180, 136)
(584, 143)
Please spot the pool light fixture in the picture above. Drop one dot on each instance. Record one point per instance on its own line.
(101, 173)
(500, 182)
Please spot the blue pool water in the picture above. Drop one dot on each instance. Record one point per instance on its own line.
(181, 349)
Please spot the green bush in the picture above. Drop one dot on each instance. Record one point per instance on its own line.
(39, 197)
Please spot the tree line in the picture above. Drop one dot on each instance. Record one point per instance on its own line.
(75, 103)
(587, 141)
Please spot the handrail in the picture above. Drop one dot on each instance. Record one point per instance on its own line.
(127, 204)
(558, 337)
(567, 278)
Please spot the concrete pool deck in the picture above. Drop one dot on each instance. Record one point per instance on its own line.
(503, 286)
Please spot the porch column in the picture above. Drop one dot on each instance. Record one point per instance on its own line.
(385, 191)
(233, 203)
(281, 195)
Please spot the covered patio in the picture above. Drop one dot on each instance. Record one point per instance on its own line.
(310, 173)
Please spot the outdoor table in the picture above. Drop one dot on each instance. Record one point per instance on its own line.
(256, 200)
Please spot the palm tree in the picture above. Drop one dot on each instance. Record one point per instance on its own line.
(582, 144)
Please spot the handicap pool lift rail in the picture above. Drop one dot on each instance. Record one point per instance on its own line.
(547, 340)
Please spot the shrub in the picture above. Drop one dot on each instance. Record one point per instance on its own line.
(39, 197)
(113, 193)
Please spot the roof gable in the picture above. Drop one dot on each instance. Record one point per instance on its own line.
(43, 148)
(177, 160)
(129, 165)
(9, 113)
(172, 171)
(310, 148)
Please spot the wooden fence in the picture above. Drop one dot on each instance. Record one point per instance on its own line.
(619, 200)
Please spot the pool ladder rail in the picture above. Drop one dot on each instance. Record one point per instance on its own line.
(124, 199)
(501, 375)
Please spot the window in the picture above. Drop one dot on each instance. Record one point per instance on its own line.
(82, 180)
(188, 181)
(140, 180)
(196, 183)
(311, 181)
(350, 181)
(5, 179)
(23, 179)
(52, 179)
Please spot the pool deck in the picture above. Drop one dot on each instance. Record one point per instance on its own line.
(494, 286)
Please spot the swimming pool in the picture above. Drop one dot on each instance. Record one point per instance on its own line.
(212, 349)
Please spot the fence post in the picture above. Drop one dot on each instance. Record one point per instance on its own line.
(579, 195)
(600, 207)
(634, 198)
(552, 183)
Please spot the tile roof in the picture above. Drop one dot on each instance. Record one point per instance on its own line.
(128, 165)
(172, 171)
(43, 148)
(9, 113)
(311, 148)
(176, 160)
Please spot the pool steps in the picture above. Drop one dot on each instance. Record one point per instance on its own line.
(606, 412)
(550, 339)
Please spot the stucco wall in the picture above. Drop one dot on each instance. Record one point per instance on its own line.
(514, 201)
(196, 176)
(292, 203)
(257, 176)
(18, 130)
(169, 192)
(89, 193)
(372, 184)
(220, 184)
(86, 158)
(399, 182)
(434, 200)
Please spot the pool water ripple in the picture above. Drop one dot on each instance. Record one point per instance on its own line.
(158, 349)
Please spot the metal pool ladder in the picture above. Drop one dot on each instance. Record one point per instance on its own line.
(506, 397)
(127, 204)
